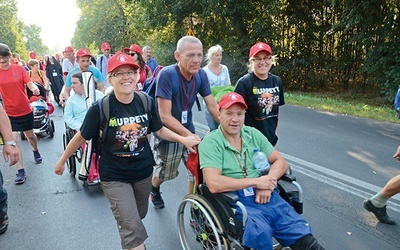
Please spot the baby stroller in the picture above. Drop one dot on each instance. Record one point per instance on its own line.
(42, 110)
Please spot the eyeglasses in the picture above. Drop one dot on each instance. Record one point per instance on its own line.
(119, 75)
(132, 54)
(265, 59)
(4, 58)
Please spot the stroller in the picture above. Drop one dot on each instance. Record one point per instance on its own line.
(42, 110)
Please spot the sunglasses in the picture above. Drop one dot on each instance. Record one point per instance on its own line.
(132, 54)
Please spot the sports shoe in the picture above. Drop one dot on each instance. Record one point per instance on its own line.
(157, 200)
(380, 212)
(21, 177)
(3, 224)
(37, 157)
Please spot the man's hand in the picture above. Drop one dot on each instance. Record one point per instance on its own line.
(263, 196)
(191, 142)
(397, 154)
(266, 182)
(59, 168)
(10, 153)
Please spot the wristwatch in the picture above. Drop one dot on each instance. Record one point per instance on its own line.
(10, 143)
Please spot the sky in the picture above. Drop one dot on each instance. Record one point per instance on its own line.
(57, 18)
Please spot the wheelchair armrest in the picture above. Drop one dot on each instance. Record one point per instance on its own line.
(289, 178)
(229, 197)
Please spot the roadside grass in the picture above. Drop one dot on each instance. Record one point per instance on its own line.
(355, 105)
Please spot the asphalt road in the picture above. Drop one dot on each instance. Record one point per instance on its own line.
(339, 161)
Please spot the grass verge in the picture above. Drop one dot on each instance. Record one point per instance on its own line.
(355, 106)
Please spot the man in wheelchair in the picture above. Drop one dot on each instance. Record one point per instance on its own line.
(226, 161)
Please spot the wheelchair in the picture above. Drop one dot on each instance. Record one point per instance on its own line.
(207, 221)
(76, 156)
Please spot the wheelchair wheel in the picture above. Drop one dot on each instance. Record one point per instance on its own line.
(71, 162)
(199, 225)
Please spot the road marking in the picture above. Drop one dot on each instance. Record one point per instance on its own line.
(344, 182)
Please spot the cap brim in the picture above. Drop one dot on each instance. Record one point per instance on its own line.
(134, 65)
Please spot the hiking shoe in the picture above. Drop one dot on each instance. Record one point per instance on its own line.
(157, 200)
(37, 157)
(3, 224)
(21, 177)
(380, 212)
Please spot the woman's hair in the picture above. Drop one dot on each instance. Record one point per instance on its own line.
(212, 50)
(79, 76)
(141, 61)
(32, 62)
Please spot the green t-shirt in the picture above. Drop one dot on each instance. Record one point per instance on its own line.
(215, 152)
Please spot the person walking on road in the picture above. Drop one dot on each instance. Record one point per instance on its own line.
(377, 203)
(262, 91)
(10, 154)
(13, 82)
(150, 61)
(126, 162)
(102, 62)
(175, 98)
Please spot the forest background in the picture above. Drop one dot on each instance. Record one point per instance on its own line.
(335, 48)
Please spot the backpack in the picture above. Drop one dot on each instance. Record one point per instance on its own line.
(104, 109)
(151, 84)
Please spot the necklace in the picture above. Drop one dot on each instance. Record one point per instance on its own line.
(244, 166)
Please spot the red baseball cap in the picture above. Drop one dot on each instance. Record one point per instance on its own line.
(105, 45)
(82, 52)
(32, 55)
(120, 59)
(68, 49)
(258, 47)
(135, 48)
(229, 99)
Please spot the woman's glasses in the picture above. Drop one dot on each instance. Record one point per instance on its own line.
(132, 54)
(119, 75)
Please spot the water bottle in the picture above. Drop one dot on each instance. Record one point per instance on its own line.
(260, 162)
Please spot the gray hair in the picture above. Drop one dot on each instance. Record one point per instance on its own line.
(145, 48)
(212, 50)
(184, 40)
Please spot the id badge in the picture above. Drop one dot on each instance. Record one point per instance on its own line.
(184, 118)
(54, 73)
(248, 191)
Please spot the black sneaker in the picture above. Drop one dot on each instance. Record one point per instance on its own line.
(157, 200)
(37, 157)
(380, 212)
(3, 224)
(21, 177)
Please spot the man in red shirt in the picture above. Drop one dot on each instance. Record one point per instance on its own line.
(13, 82)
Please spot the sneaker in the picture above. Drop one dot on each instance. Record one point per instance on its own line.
(37, 157)
(4, 224)
(380, 212)
(157, 200)
(21, 177)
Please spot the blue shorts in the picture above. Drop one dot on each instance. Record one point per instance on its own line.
(274, 219)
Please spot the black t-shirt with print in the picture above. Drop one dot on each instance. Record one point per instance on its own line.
(263, 98)
(126, 155)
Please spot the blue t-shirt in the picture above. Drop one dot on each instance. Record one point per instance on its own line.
(98, 77)
(182, 94)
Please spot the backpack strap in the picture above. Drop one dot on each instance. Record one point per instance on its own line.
(104, 108)
(146, 101)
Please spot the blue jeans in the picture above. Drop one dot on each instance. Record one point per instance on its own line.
(212, 124)
(3, 198)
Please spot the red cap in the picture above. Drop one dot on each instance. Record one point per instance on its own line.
(68, 49)
(120, 59)
(32, 55)
(135, 48)
(258, 47)
(105, 45)
(229, 99)
(82, 52)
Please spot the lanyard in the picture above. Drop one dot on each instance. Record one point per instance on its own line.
(244, 167)
(186, 98)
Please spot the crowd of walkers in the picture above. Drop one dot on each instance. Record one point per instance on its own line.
(131, 171)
